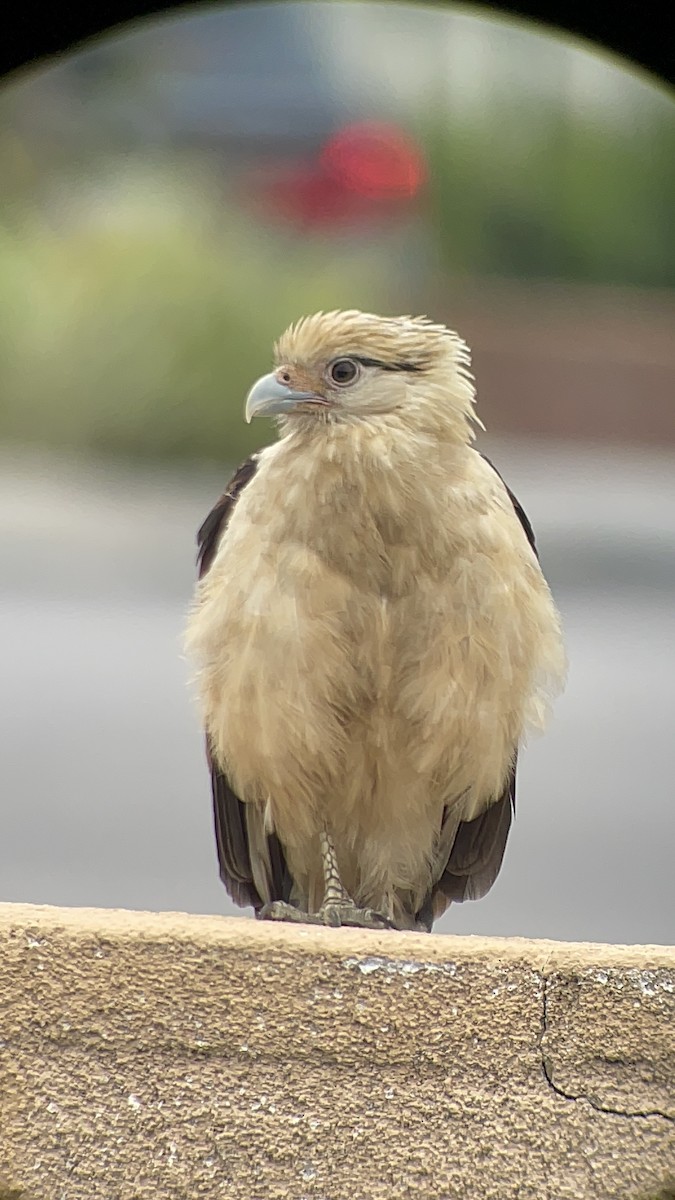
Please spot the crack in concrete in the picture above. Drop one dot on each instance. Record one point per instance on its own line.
(548, 1076)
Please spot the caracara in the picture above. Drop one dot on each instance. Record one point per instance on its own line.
(372, 633)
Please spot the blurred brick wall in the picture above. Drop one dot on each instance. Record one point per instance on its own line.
(569, 362)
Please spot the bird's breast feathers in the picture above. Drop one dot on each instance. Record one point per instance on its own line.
(374, 631)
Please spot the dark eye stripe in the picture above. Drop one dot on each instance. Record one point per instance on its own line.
(387, 366)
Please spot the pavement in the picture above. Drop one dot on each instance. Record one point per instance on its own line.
(105, 795)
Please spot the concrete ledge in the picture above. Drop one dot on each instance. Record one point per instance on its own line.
(174, 1057)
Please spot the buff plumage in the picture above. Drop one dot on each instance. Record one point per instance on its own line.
(372, 632)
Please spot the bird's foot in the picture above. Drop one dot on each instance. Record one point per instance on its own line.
(278, 910)
(345, 912)
(333, 914)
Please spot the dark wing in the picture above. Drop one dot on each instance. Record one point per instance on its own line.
(251, 860)
(211, 529)
(476, 856)
(520, 511)
(478, 848)
(252, 864)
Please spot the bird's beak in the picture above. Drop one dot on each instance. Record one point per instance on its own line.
(269, 398)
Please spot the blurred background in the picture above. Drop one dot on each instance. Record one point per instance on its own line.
(171, 197)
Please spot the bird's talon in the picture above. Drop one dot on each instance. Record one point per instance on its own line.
(380, 918)
(336, 915)
(331, 915)
(278, 910)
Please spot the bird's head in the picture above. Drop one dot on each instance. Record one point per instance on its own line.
(356, 367)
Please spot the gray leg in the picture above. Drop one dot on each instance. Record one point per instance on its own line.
(334, 891)
(337, 908)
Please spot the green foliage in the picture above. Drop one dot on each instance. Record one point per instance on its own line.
(551, 194)
(135, 315)
(138, 332)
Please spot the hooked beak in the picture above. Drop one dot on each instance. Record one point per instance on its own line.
(269, 398)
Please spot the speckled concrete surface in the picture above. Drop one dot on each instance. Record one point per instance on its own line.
(165, 1056)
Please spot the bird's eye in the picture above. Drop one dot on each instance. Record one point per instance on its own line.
(343, 371)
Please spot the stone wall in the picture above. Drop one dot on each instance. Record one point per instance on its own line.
(172, 1057)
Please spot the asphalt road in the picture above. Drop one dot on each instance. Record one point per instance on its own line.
(105, 797)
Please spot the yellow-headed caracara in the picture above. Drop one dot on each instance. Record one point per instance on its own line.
(373, 635)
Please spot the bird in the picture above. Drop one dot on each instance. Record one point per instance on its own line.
(372, 634)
